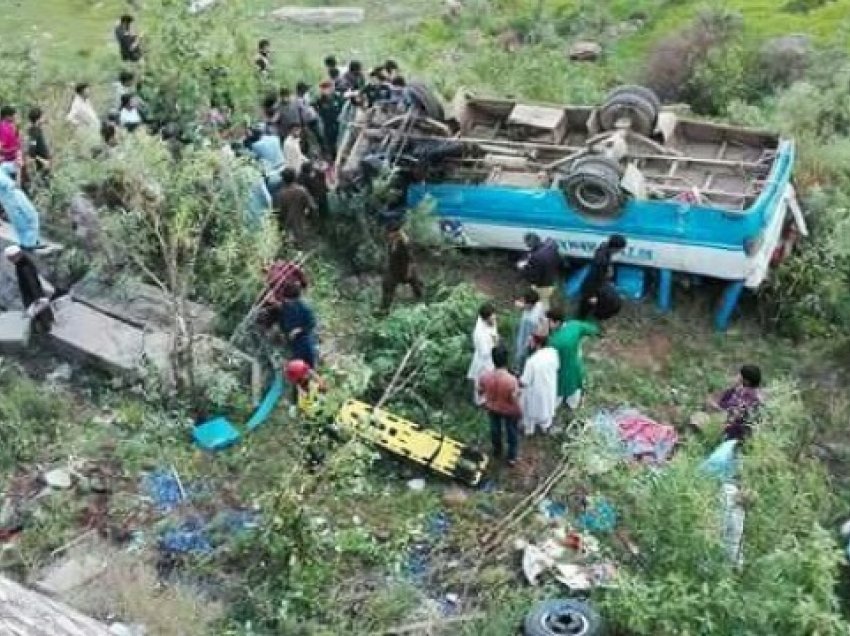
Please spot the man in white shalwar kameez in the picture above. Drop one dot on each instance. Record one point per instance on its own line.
(484, 337)
(539, 386)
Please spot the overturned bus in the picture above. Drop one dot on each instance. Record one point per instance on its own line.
(693, 197)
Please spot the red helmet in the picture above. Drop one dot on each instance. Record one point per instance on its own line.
(296, 371)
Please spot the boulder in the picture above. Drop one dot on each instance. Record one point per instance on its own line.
(320, 16)
(585, 51)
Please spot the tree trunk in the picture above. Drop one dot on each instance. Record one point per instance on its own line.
(24, 612)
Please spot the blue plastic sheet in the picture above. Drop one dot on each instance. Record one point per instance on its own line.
(163, 489)
(600, 516)
(723, 462)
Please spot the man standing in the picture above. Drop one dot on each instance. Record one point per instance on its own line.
(293, 157)
(485, 337)
(400, 267)
(599, 275)
(353, 79)
(129, 43)
(499, 392)
(294, 204)
(329, 108)
(541, 267)
(566, 339)
(539, 384)
(38, 153)
(314, 182)
(530, 322)
(263, 61)
(34, 299)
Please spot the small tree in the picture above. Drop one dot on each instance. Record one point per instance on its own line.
(178, 219)
(193, 60)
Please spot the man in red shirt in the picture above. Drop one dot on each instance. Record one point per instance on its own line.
(499, 389)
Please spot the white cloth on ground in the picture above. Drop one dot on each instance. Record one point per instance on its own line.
(484, 338)
(539, 383)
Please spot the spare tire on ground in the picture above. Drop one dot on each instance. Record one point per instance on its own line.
(633, 103)
(562, 618)
(592, 187)
(421, 97)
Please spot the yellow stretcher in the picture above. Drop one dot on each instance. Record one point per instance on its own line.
(406, 439)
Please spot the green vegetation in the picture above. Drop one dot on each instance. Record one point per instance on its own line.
(333, 553)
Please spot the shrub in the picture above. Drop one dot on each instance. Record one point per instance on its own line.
(674, 59)
(685, 583)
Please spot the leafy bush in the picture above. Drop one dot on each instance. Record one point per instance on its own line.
(673, 61)
(685, 583)
(440, 330)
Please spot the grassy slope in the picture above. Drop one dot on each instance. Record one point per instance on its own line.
(664, 365)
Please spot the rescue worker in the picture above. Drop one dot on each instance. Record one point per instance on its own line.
(298, 325)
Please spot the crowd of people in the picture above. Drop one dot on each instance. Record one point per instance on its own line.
(294, 146)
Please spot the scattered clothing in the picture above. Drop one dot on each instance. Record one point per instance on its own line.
(636, 436)
(567, 341)
(539, 384)
(723, 462)
(484, 338)
(298, 324)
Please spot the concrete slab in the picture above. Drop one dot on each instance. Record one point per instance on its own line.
(137, 303)
(106, 342)
(14, 331)
(320, 16)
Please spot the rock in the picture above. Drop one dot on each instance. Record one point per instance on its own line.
(845, 529)
(320, 16)
(196, 6)
(7, 513)
(71, 574)
(62, 373)
(455, 496)
(585, 51)
(59, 478)
(453, 9)
(14, 331)
(416, 485)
